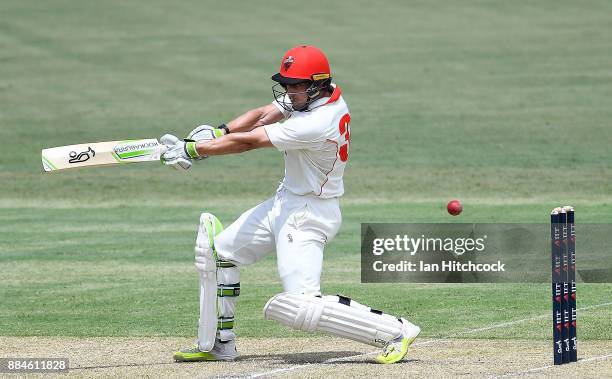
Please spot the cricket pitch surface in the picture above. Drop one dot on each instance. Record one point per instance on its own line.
(316, 357)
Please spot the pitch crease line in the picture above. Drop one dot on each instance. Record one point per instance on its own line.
(537, 369)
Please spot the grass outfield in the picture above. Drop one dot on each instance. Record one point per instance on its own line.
(503, 105)
(124, 271)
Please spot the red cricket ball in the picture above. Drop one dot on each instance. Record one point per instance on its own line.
(454, 207)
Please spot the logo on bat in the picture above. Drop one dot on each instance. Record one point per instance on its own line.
(131, 150)
(82, 156)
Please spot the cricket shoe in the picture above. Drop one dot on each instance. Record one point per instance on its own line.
(222, 351)
(396, 349)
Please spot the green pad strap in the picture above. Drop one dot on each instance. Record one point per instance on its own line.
(228, 290)
(225, 323)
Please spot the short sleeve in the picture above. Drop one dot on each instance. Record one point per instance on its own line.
(295, 134)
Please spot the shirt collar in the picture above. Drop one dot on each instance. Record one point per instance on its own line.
(327, 100)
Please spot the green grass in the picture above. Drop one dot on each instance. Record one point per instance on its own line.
(82, 272)
(503, 105)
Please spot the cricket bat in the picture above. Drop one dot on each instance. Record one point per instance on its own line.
(101, 154)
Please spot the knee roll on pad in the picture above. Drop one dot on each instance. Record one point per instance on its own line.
(205, 255)
(337, 315)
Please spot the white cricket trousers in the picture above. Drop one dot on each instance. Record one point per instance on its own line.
(296, 226)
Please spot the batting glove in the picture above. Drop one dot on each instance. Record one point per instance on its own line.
(205, 132)
(180, 153)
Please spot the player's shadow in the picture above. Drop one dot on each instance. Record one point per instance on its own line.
(317, 357)
(298, 358)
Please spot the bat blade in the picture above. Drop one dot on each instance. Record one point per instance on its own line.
(101, 154)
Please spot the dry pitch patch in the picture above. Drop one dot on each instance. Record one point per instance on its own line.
(311, 357)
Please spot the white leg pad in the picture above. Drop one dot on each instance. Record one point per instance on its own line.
(337, 315)
(206, 265)
(207, 324)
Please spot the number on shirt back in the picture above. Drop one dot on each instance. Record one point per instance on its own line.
(345, 131)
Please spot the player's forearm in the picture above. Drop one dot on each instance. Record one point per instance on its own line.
(223, 146)
(247, 121)
(233, 143)
(253, 119)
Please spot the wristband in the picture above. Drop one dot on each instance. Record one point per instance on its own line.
(224, 127)
(190, 149)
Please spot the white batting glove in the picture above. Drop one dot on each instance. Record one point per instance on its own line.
(205, 132)
(179, 154)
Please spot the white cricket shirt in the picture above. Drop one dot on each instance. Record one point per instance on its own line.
(315, 144)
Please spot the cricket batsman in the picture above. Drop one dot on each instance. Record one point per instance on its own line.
(308, 121)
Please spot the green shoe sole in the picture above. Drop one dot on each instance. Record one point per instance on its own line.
(194, 357)
(396, 355)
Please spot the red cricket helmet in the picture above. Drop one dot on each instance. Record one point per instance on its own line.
(303, 63)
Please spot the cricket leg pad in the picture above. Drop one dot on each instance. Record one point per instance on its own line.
(337, 315)
(206, 264)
